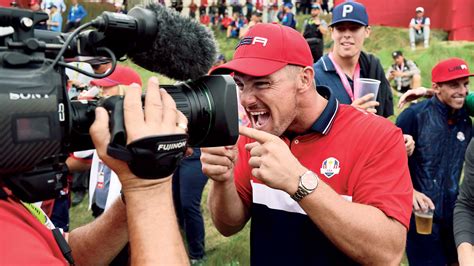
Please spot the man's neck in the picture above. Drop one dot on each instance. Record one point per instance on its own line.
(451, 111)
(310, 110)
(347, 64)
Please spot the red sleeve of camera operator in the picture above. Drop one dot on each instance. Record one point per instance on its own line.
(24, 240)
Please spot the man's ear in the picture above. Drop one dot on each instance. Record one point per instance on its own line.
(436, 88)
(368, 30)
(306, 79)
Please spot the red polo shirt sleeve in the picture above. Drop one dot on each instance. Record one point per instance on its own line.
(384, 179)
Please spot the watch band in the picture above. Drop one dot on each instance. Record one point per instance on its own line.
(299, 195)
(303, 191)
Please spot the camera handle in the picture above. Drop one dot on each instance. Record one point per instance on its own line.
(152, 157)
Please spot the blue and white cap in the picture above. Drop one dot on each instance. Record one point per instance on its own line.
(351, 12)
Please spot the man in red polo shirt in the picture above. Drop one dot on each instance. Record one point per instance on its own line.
(324, 183)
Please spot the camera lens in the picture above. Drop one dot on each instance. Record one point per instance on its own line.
(210, 105)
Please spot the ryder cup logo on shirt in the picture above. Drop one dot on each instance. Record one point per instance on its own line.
(330, 167)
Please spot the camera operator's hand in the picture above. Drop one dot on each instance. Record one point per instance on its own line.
(151, 221)
(159, 117)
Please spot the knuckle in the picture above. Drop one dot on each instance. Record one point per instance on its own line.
(206, 169)
(93, 129)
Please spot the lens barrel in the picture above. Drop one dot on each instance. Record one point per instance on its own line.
(209, 104)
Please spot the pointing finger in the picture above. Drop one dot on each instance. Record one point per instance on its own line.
(255, 134)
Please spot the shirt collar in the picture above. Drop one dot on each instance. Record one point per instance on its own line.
(327, 64)
(325, 120)
(446, 109)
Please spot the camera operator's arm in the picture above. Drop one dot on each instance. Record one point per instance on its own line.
(77, 165)
(98, 242)
(152, 227)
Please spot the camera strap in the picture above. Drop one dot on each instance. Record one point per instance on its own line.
(152, 157)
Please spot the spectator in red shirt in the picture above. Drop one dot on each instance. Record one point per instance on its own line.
(205, 19)
(203, 7)
(225, 21)
(192, 9)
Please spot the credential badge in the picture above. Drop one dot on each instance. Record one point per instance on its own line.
(460, 136)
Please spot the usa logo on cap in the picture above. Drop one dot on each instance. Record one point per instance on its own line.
(330, 167)
(250, 40)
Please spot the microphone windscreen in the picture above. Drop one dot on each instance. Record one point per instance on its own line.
(183, 49)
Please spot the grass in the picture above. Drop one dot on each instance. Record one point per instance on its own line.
(383, 41)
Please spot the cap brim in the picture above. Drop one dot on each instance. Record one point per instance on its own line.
(256, 67)
(348, 20)
(104, 82)
(454, 77)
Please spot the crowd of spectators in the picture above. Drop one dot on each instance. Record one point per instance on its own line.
(235, 16)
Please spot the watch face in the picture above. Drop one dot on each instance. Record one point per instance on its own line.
(309, 181)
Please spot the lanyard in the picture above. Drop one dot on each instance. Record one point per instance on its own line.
(344, 80)
(39, 214)
(400, 68)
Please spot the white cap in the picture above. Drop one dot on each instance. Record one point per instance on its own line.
(118, 3)
(420, 9)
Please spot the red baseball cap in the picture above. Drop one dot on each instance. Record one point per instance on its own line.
(267, 48)
(450, 69)
(121, 76)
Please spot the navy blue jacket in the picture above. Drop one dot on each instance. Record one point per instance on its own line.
(441, 140)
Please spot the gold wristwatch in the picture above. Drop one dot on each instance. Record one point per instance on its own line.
(308, 183)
